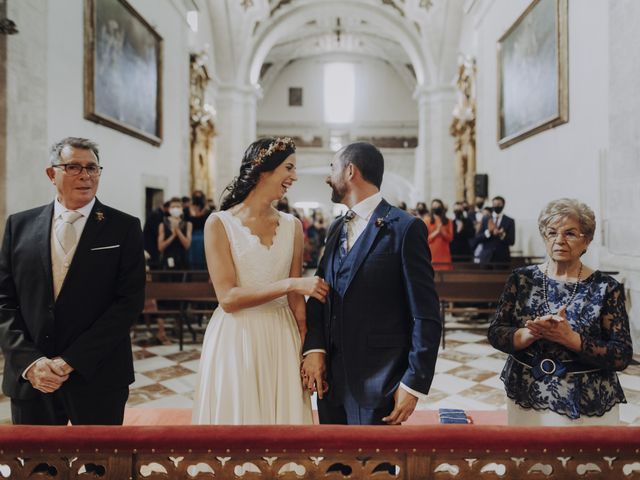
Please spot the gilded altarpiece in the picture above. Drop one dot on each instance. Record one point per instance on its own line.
(202, 128)
(463, 130)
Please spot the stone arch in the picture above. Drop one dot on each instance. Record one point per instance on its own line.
(268, 34)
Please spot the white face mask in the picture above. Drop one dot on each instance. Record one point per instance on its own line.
(175, 212)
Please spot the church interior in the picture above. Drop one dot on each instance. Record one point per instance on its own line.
(464, 98)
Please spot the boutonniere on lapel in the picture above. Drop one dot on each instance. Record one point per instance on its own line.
(99, 216)
(382, 221)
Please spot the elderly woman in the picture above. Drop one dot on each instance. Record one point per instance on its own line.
(565, 328)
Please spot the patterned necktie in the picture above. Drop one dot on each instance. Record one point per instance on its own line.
(65, 231)
(344, 235)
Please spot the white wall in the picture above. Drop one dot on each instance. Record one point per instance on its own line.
(381, 95)
(594, 157)
(45, 103)
(621, 166)
(26, 182)
(561, 162)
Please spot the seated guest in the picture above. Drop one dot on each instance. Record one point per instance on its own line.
(565, 328)
(174, 238)
(440, 235)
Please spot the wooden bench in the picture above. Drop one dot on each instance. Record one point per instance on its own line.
(457, 287)
(185, 294)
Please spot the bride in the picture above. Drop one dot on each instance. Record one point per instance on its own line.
(250, 363)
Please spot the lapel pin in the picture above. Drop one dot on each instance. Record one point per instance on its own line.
(99, 216)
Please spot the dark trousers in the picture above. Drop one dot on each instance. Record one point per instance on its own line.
(342, 408)
(80, 407)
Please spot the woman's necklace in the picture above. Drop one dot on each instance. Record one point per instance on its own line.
(544, 287)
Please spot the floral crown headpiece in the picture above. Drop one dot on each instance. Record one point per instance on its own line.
(280, 144)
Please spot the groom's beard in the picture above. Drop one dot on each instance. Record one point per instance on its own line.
(335, 196)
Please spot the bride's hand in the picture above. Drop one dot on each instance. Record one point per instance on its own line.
(314, 287)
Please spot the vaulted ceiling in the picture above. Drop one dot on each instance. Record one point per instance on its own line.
(255, 39)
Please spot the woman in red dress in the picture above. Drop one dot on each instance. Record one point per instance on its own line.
(440, 235)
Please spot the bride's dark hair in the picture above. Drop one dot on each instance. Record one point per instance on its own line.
(263, 155)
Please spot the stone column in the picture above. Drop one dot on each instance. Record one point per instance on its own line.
(236, 129)
(435, 161)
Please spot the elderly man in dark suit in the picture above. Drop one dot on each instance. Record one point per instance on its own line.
(71, 285)
(375, 340)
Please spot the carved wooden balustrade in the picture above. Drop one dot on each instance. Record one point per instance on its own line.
(456, 452)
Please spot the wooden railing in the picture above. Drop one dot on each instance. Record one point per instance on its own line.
(457, 452)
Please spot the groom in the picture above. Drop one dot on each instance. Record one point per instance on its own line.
(375, 340)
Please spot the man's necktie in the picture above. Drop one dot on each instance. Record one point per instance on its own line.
(344, 235)
(65, 231)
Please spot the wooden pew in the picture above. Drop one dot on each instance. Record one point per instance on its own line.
(185, 293)
(457, 286)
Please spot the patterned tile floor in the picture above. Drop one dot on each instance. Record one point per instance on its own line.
(467, 376)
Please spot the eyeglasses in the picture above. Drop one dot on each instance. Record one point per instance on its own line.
(75, 169)
(569, 235)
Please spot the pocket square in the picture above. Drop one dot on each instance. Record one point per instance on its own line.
(108, 247)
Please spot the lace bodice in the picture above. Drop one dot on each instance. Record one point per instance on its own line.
(255, 263)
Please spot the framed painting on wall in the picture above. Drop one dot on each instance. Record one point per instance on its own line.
(122, 70)
(533, 72)
(295, 96)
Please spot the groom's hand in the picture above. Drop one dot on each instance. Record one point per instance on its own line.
(405, 404)
(313, 372)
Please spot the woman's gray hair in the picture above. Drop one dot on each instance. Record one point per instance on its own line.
(568, 208)
(75, 142)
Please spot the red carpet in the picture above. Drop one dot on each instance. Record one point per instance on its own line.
(182, 416)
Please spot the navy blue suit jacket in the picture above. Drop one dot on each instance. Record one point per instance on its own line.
(389, 316)
(495, 249)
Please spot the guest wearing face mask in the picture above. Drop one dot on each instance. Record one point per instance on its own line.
(497, 233)
(174, 238)
(440, 235)
(421, 210)
(476, 212)
(197, 214)
(463, 232)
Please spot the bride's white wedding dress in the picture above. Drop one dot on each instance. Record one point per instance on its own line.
(249, 369)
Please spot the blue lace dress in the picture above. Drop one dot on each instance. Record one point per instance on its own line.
(597, 313)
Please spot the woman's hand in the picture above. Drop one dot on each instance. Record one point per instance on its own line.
(556, 328)
(523, 338)
(314, 287)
